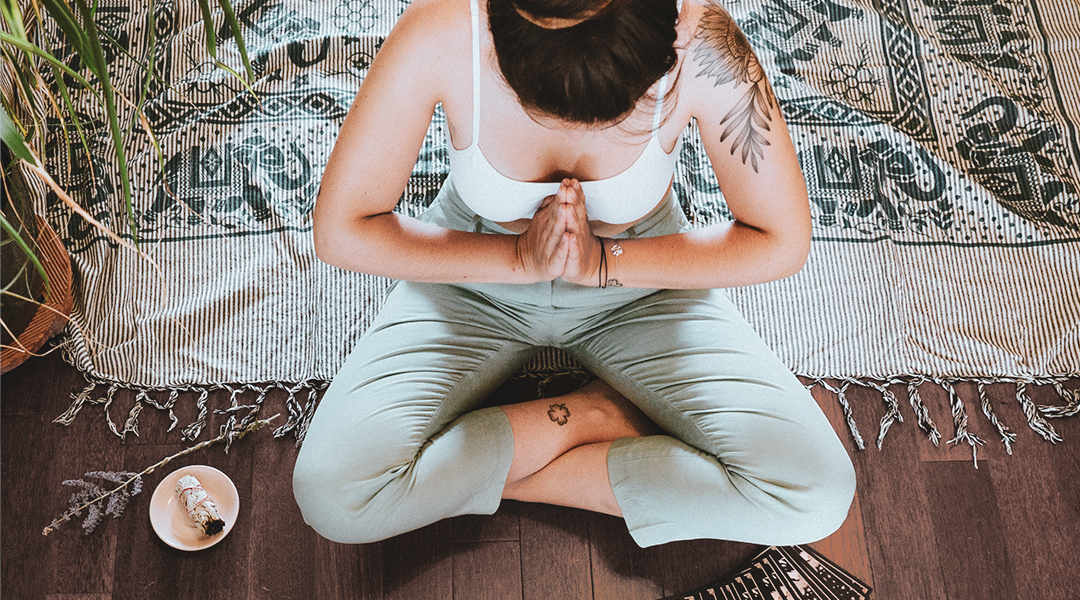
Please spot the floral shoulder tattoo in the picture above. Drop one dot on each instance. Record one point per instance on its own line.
(725, 56)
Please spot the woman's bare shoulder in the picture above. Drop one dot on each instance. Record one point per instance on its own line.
(437, 15)
(718, 54)
(436, 29)
(728, 92)
(426, 52)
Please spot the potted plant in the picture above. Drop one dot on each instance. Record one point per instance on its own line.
(38, 82)
(36, 277)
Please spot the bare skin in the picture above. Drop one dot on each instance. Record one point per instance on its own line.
(561, 444)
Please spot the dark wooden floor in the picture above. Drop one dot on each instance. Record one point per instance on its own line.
(926, 523)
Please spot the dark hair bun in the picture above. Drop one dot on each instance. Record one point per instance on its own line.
(593, 72)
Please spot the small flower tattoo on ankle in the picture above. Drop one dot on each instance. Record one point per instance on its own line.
(559, 413)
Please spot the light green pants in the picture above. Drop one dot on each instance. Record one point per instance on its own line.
(397, 441)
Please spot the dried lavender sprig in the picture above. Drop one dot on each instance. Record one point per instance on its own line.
(136, 480)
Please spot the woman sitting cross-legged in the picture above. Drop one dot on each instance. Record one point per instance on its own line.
(558, 227)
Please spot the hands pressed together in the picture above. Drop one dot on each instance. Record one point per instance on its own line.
(559, 242)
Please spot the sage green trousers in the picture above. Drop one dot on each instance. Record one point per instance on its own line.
(398, 442)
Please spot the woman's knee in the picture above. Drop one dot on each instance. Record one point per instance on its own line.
(340, 471)
(317, 490)
(813, 483)
(337, 508)
(822, 506)
(803, 501)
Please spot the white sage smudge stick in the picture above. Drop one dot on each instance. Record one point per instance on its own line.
(199, 505)
(226, 436)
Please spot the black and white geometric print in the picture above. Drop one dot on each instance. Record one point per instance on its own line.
(924, 122)
(935, 136)
(231, 162)
(916, 121)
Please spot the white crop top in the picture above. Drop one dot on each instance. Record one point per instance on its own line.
(623, 198)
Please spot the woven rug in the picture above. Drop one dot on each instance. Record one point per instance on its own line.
(938, 140)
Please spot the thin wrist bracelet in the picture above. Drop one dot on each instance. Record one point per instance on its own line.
(602, 272)
(616, 251)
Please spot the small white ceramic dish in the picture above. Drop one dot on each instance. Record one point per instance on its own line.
(170, 519)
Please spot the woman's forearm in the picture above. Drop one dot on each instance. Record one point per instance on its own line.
(720, 256)
(723, 255)
(399, 247)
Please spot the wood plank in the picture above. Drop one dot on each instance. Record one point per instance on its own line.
(150, 569)
(32, 497)
(621, 570)
(1036, 491)
(281, 550)
(33, 472)
(503, 526)
(903, 555)
(40, 386)
(418, 564)
(147, 568)
(967, 526)
(348, 571)
(487, 570)
(87, 447)
(847, 547)
(554, 553)
(694, 564)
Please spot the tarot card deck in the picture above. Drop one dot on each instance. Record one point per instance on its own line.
(784, 573)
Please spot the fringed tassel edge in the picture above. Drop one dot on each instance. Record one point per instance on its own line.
(849, 416)
(240, 415)
(960, 422)
(300, 413)
(1036, 415)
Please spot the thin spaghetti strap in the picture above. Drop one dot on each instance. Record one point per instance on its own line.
(660, 91)
(474, 9)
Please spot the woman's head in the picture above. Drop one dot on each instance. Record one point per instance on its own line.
(583, 61)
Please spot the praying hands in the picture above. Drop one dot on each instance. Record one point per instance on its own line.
(559, 242)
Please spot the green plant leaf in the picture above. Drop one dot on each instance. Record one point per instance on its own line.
(92, 54)
(27, 251)
(230, 18)
(70, 106)
(109, 96)
(52, 60)
(13, 18)
(12, 139)
(149, 67)
(66, 21)
(208, 25)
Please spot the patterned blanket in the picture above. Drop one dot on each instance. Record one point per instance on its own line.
(938, 139)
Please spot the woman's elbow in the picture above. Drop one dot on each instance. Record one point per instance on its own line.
(324, 239)
(336, 243)
(797, 256)
(789, 256)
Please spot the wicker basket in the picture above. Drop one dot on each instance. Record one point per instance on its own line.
(52, 316)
